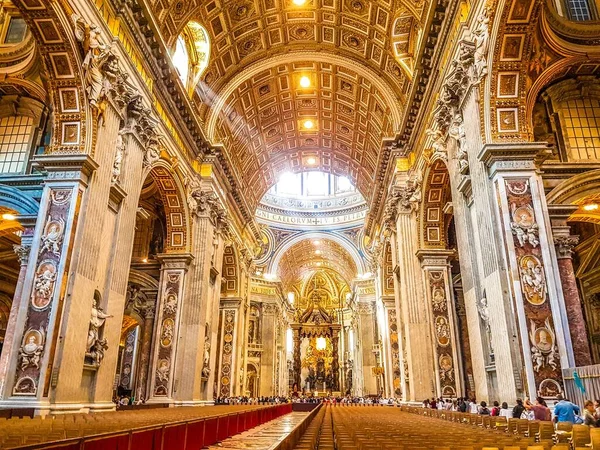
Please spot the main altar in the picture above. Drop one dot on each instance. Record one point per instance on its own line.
(316, 364)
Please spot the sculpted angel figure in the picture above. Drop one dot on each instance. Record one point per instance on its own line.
(97, 319)
(43, 284)
(52, 238)
(118, 162)
(98, 59)
(206, 364)
(481, 37)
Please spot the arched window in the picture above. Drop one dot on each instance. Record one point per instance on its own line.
(191, 55)
(15, 143)
(181, 59)
(574, 107)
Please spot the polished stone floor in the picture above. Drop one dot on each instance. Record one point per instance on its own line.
(265, 436)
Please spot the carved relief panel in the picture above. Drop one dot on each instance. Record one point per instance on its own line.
(444, 336)
(38, 327)
(167, 331)
(541, 337)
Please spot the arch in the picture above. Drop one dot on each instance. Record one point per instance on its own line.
(62, 62)
(569, 191)
(579, 190)
(197, 42)
(171, 191)
(436, 194)
(345, 243)
(18, 201)
(142, 279)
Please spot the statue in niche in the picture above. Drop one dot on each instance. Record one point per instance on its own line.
(206, 363)
(484, 315)
(96, 345)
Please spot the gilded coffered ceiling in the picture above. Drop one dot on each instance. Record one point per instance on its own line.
(311, 255)
(357, 54)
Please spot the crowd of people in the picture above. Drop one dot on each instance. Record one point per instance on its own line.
(564, 410)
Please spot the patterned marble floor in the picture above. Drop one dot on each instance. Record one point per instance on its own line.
(265, 436)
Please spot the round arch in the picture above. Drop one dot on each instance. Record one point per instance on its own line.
(343, 242)
(72, 127)
(16, 200)
(436, 194)
(177, 214)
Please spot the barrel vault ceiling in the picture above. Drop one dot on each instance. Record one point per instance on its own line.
(357, 55)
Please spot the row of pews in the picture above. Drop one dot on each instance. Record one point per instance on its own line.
(185, 428)
(353, 427)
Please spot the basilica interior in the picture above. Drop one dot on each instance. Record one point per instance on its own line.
(297, 199)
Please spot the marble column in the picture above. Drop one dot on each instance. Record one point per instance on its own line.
(28, 360)
(335, 364)
(23, 251)
(392, 363)
(268, 357)
(436, 276)
(145, 349)
(297, 357)
(369, 345)
(196, 366)
(524, 224)
(163, 383)
(229, 345)
(410, 300)
(565, 242)
(464, 343)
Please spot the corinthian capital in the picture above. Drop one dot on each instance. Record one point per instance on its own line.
(565, 245)
(22, 252)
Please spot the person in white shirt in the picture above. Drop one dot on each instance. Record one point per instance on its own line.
(473, 407)
(504, 411)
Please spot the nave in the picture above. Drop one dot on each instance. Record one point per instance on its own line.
(328, 426)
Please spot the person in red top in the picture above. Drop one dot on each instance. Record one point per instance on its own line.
(540, 409)
(496, 409)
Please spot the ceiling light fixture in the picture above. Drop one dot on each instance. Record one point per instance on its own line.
(299, 2)
(145, 260)
(9, 216)
(316, 242)
(591, 207)
(311, 161)
(308, 124)
(317, 252)
(304, 81)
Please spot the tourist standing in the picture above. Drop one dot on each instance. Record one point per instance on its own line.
(518, 409)
(564, 410)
